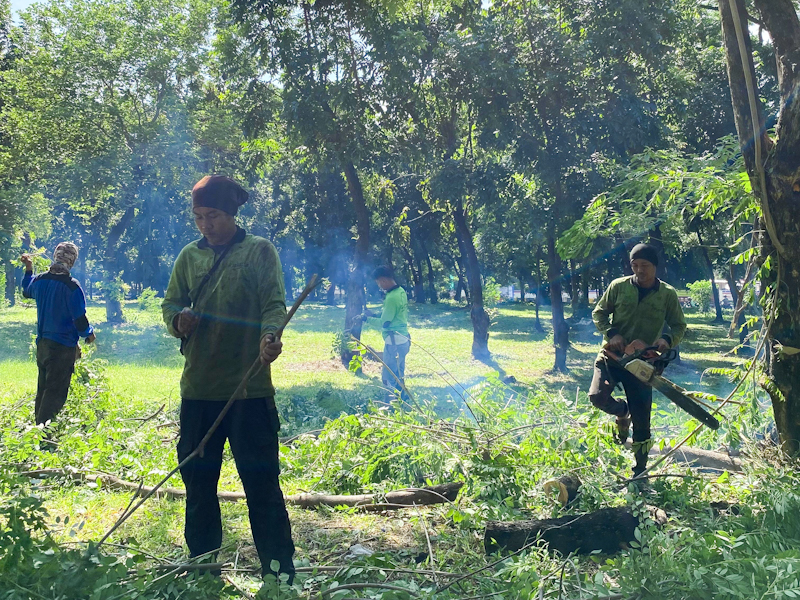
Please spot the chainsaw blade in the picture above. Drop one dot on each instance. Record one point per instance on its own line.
(678, 395)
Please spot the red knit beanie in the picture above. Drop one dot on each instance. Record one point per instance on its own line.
(218, 191)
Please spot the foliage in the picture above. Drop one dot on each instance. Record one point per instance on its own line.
(148, 301)
(491, 293)
(700, 293)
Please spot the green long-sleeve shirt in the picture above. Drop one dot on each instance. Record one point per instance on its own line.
(621, 310)
(394, 317)
(243, 300)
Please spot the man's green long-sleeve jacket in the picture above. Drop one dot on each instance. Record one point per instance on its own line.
(620, 311)
(243, 300)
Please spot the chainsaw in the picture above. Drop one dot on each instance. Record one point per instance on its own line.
(646, 364)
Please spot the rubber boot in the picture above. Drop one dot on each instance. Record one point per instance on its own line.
(623, 429)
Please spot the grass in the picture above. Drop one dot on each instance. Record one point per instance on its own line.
(144, 368)
(145, 365)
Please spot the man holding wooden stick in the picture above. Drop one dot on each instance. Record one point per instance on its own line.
(226, 301)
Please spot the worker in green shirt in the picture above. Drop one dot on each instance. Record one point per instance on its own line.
(394, 327)
(634, 308)
(225, 300)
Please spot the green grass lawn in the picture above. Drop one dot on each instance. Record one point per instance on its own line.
(143, 372)
(145, 365)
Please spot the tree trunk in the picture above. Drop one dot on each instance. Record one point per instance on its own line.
(419, 285)
(521, 288)
(462, 284)
(730, 277)
(355, 300)
(431, 280)
(480, 319)
(585, 286)
(574, 286)
(714, 290)
(113, 304)
(11, 283)
(560, 327)
(778, 195)
(414, 275)
(538, 287)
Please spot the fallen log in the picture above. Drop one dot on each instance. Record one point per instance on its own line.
(704, 459)
(607, 530)
(436, 494)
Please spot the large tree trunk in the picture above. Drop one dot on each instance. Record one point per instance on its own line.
(11, 283)
(560, 327)
(712, 277)
(778, 195)
(113, 304)
(355, 301)
(480, 320)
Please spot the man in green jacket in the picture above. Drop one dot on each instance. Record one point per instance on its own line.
(394, 327)
(634, 308)
(225, 300)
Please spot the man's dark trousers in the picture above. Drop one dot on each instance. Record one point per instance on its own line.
(56, 363)
(251, 427)
(639, 404)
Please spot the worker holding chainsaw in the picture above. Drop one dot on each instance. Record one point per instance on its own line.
(226, 300)
(631, 316)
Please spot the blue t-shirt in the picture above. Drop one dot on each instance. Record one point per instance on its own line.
(60, 305)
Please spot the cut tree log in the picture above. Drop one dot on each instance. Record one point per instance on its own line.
(607, 530)
(437, 494)
(699, 458)
(567, 487)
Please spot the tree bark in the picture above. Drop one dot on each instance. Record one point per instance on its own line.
(714, 290)
(355, 301)
(11, 283)
(560, 327)
(480, 319)
(779, 196)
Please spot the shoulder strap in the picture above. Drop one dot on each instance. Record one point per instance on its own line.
(207, 276)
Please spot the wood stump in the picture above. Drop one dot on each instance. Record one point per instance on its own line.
(607, 530)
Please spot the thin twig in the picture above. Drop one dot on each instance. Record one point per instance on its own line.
(430, 547)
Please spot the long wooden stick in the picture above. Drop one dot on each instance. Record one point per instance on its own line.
(239, 392)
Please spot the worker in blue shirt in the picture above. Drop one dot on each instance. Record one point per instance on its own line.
(61, 311)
